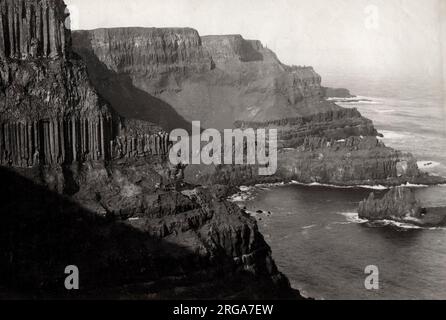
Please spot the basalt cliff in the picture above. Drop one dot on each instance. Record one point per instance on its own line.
(87, 183)
(228, 81)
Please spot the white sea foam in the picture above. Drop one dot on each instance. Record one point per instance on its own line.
(393, 135)
(241, 197)
(353, 217)
(317, 184)
(358, 99)
(237, 198)
(392, 223)
(270, 185)
(247, 193)
(385, 111)
(364, 102)
(411, 185)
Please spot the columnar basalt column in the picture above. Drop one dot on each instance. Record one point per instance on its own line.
(33, 28)
(3, 52)
(10, 23)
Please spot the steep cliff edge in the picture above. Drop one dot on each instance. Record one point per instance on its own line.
(215, 79)
(50, 114)
(82, 185)
(228, 81)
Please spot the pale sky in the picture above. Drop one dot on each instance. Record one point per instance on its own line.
(383, 38)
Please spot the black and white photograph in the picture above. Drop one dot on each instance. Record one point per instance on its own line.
(236, 150)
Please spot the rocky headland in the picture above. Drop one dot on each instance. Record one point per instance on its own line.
(337, 93)
(227, 81)
(85, 183)
(400, 204)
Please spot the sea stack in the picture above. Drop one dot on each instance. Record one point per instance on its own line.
(398, 204)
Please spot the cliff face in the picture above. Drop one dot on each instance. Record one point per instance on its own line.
(156, 59)
(49, 112)
(33, 28)
(87, 171)
(229, 80)
(268, 89)
(337, 147)
(214, 79)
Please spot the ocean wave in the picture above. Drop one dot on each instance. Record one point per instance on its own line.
(247, 193)
(393, 135)
(238, 198)
(354, 100)
(386, 111)
(398, 224)
(317, 184)
(353, 217)
(270, 185)
(411, 185)
(364, 102)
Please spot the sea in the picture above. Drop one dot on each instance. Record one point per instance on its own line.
(314, 231)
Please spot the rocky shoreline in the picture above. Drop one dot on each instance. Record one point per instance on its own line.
(83, 157)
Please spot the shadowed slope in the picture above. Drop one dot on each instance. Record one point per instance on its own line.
(184, 253)
(124, 97)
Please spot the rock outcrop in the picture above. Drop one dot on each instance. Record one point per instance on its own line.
(336, 93)
(83, 185)
(339, 148)
(187, 245)
(400, 204)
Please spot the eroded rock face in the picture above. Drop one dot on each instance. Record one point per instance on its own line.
(228, 80)
(33, 29)
(398, 204)
(156, 59)
(214, 79)
(49, 112)
(81, 185)
(188, 244)
(339, 148)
